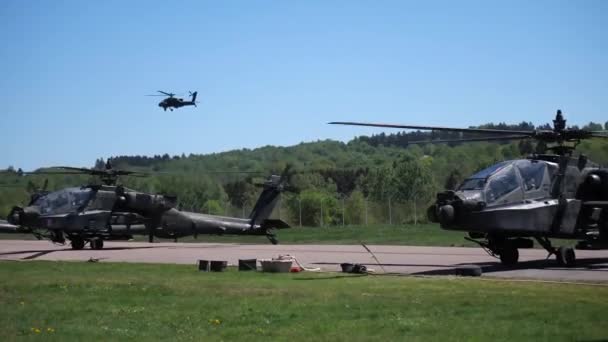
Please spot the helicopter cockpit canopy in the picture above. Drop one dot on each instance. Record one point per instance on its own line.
(64, 201)
(509, 182)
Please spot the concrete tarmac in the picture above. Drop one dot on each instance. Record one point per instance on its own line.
(592, 266)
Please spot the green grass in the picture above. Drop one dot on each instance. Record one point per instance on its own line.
(413, 235)
(98, 301)
(419, 235)
(408, 235)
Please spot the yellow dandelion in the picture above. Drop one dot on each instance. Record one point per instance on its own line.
(50, 330)
(37, 331)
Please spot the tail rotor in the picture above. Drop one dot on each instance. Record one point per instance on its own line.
(193, 97)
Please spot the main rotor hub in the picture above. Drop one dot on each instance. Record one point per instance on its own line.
(559, 124)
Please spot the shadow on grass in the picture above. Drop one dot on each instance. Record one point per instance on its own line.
(386, 264)
(589, 264)
(337, 276)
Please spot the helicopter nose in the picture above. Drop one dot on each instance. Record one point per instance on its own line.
(446, 214)
(22, 216)
(14, 217)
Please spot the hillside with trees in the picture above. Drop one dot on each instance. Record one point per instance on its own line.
(375, 179)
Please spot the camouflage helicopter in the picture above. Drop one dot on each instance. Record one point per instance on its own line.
(95, 213)
(174, 102)
(512, 203)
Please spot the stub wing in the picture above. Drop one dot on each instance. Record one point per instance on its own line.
(274, 223)
(6, 227)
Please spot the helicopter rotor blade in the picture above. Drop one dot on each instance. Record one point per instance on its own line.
(507, 137)
(246, 172)
(435, 128)
(59, 170)
(70, 168)
(168, 94)
(54, 173)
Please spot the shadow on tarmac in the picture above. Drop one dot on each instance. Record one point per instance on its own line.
(589, 264)
(39, 253)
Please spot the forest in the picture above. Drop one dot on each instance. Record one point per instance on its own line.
(378, 179)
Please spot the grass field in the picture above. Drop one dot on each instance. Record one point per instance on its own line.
(97, 301)
(421, 235)
(410, 235)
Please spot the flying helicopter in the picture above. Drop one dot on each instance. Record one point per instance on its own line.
(95, 213)
(175, 102)
(510, 204)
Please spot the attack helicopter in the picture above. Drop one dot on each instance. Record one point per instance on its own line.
(510, 204)
(175, 102)
(92, 214)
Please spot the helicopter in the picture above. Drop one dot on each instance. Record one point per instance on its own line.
(513, 203)
(174, 102)
(92, 214)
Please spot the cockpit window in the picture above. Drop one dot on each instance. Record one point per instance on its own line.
(478, 180)
(472, 184)
(63, 201)
(501, 184)
(532, 173)
(485, 173)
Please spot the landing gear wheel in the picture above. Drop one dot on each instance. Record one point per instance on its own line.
(77, 243)
(96, 244)
(565, 256)
(509, 256)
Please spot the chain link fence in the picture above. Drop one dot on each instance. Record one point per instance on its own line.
(323, 211)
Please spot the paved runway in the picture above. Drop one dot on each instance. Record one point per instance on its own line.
(592, 265)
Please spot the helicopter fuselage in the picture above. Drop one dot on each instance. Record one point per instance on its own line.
(174, 102)
(517, 199)
(116, 213)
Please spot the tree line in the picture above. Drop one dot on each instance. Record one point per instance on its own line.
(362, 177)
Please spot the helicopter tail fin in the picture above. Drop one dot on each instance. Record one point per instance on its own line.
(266, 202)
(272, 189)
(194, 97)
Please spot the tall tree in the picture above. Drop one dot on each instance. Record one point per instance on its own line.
(413, 182)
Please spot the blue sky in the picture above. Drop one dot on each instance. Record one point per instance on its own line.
(74, 73)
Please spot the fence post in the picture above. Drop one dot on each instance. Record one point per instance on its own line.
(321, 213)
(415, 213)
(343, 209)
(365, 211)
(300, 209)
(390, 212)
